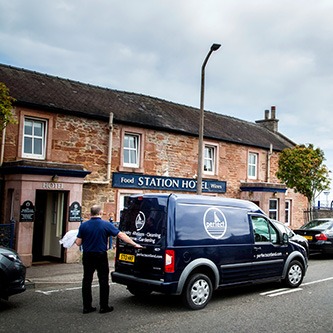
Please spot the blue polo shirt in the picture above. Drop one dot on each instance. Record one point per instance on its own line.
(95, 233)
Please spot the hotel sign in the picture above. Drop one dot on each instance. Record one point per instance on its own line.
(135, 181)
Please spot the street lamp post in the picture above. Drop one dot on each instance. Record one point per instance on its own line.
(213, 48)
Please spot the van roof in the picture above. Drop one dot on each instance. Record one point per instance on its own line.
(194, 198)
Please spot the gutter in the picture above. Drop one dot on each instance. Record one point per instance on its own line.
(2, 153)
(108, 175)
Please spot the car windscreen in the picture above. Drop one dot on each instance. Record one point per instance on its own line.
(318, 225)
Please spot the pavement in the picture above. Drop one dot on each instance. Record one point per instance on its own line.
(50, 274)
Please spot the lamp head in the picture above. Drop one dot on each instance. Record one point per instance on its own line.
(215, 47)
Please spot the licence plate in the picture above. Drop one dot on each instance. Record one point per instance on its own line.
(126, 257)
(308, 237)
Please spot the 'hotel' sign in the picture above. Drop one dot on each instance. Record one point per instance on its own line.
(129, 180)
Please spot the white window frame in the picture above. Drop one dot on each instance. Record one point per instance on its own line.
(287, 211)
(33, 137)
(121, 202)
(252, 169)
(209, 159)
(130, 150)
(273, 212)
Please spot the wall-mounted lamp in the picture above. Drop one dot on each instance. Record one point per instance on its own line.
(54, 178)
(274, 194)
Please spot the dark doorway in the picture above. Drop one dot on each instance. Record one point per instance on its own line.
(49, 226)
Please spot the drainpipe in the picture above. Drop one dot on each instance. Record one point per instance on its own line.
(108, 177)
(269, 155)
(3, 145)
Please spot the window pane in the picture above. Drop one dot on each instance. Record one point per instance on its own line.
(28, 127)
(38, 146)
(132, 142)
(132, 156)
(37, 129)
(272, 204)
(126, 139)
(28, 145)
(208, 165)
(126, 156)
(273, 215)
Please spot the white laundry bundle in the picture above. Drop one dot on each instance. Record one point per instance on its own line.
(69, 238)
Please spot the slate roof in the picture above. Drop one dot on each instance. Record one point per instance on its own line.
(56, 94)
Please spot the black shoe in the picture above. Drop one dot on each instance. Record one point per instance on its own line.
(88, 310)
(106, 310)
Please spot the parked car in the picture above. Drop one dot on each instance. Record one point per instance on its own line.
(12, 273)
(292, 235)
(319, 234)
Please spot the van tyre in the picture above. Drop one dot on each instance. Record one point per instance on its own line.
(197, 291)
(295, 274)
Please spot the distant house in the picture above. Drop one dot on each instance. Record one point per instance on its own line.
(76, 144)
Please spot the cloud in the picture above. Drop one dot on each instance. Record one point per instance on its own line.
(273, 53)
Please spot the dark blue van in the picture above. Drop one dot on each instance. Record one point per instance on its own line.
(194, 244)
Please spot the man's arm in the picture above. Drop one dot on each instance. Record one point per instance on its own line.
(128, 240)
(78, 241)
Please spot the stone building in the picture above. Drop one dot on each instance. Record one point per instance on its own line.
(75, 144)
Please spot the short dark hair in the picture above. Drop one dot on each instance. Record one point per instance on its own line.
(95, 210)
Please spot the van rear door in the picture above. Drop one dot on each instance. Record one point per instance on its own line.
(144, 220)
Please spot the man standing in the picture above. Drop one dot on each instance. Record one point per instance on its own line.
(93, 236)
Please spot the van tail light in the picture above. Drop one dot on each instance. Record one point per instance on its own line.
(321, 237)
(169, 266)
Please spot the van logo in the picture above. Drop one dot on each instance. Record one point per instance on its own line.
(215, 223)
(140, 221)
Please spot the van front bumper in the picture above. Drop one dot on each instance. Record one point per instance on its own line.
(154, 285)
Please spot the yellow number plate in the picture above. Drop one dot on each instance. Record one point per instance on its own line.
(308, 237)
(126, 257)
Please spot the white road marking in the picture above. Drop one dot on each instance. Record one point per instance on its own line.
(318, 281)
(49, 292)
(283, 291)
(276, 293)
(270, 293)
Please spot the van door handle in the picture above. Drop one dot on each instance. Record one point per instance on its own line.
(257, 248)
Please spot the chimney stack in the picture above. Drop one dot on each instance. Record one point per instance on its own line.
(270, 122)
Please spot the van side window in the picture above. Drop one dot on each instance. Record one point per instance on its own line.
(263, 230)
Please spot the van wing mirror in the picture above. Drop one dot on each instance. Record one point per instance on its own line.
(285, 238)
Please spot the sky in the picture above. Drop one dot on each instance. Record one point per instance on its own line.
(273, 53)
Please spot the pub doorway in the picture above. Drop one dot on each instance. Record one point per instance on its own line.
(49, 226)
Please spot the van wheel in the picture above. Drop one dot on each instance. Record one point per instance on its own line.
(295, 274)
(197, 292)
(139, 291)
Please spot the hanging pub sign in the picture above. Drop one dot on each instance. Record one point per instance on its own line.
(27, 212)
(74, 212)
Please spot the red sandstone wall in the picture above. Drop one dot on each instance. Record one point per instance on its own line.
(84, 141)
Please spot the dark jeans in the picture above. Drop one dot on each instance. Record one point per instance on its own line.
(95, 261)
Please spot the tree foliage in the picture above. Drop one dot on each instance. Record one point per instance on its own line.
(301, 168)
(6, 101)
